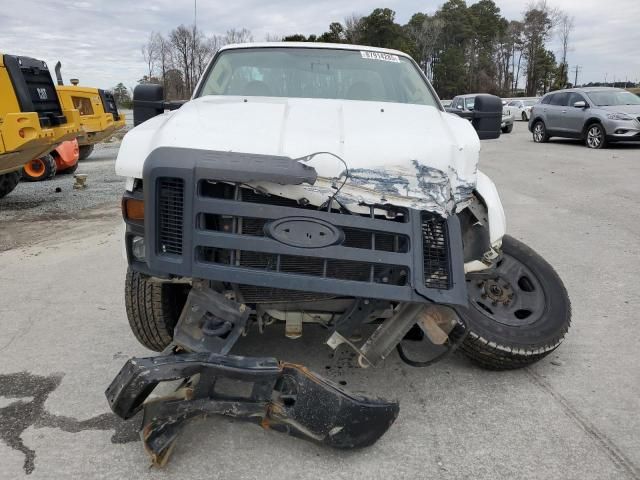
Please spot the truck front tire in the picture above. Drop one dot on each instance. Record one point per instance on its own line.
(518, 315)
(153, 309)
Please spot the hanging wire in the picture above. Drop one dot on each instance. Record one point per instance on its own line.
(331, 198)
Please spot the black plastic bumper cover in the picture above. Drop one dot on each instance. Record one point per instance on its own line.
(284, 397)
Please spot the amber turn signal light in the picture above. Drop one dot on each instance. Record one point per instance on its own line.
(132, 209)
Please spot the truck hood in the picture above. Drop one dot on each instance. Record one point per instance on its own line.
(409, 155)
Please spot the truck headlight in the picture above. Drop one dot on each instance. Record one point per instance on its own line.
(619, 116)
(137, 248)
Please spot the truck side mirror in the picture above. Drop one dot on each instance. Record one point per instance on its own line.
(148, 101)
(487, 116)
(580, 104)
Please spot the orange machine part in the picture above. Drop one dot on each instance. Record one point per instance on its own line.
(66, 154)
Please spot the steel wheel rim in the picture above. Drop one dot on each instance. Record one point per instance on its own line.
(514, 296)
(594, 137)
(538, 133)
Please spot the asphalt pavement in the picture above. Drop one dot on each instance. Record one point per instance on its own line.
(574, 415)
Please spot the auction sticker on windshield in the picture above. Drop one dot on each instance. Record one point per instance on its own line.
(386, 57)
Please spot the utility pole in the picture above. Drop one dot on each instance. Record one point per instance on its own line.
(577, 70)
(193, 46)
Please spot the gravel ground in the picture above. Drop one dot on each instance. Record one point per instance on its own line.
(24, 210)
(573, 415)
(57, 198)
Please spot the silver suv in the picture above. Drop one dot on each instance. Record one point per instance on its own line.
(596, 115)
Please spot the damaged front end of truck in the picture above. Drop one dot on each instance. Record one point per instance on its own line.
(262, 239)
(376, 250)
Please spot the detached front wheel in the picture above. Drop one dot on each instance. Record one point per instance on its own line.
(518, 315)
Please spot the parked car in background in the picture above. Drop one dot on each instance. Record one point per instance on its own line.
(508, 118)
(597, 115)
(521, 108)
(446, 103)
(462, 105)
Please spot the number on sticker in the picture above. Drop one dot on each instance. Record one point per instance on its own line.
(385, 57)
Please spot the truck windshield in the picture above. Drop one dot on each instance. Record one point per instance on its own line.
(317, 73)
(613, 97)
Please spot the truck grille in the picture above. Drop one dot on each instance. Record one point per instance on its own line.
(170, 215)
(435, 252)
(388, 253)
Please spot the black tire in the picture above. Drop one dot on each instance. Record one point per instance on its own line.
(40, 169)
(508, 129)
(595, 136)
(153, 309)
(69, 170)
(524, 117)
(499, 337)
(9, 181)
(542, 136)
(85, 151)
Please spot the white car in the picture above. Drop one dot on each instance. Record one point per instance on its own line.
(521, 108)
(321, 187)
(508, 118)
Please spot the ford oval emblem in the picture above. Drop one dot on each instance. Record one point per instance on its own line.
(304, 232)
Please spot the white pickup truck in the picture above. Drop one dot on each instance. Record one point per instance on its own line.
(317, 185)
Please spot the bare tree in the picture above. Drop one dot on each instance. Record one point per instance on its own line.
(238, 36)
(426, 36)
(272, 38)
(353, 28)
(179, 59)
(162, 56)
(565, 28)
(181, 39)
(148, 51)
(205, 49)
(516, 30)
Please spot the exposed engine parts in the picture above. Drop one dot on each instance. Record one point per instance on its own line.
(276, 395)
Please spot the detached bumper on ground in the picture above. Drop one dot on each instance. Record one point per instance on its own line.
(280, 396)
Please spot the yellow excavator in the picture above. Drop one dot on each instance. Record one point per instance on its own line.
(99, 117)
(32, 119)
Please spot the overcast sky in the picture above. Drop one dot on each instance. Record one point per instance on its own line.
(99, 41)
